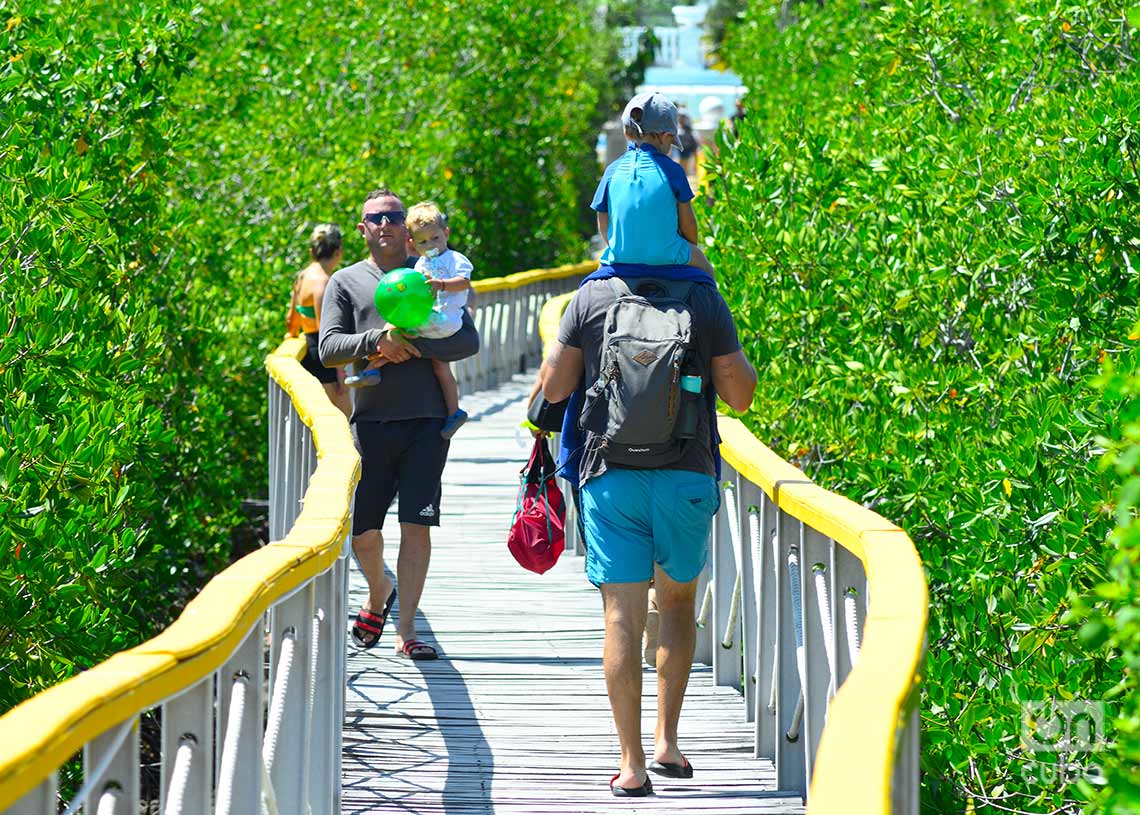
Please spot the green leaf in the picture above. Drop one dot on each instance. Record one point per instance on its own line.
(100, 556)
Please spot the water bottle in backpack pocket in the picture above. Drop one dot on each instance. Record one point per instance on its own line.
(691, 405)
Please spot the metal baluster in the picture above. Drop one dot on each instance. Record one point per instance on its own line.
(109, 802)
(290, 652)
(241, 693)
(110, 758)
(183, 766)
(188, 719)
(790, 764)
(41, 800)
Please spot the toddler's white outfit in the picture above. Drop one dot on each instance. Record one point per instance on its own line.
(447, 313)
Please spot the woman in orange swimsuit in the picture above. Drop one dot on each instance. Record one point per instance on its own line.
(305, 309)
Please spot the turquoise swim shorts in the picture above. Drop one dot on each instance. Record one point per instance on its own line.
(636, 518)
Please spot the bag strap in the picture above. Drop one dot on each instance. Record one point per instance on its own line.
(541, 464)
(518, 503)
(537, 456)
(678, 289)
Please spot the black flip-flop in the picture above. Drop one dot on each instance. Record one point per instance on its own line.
(644, 790)
(369, 625)
(671, 770)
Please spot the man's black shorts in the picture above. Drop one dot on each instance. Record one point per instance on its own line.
(404, 457)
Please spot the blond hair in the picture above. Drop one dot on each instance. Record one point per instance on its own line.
(633, 131)
(325, 241)
(424, 214)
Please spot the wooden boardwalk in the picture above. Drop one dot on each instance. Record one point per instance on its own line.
(513, 718)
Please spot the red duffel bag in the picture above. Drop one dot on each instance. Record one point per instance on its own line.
(537, 531)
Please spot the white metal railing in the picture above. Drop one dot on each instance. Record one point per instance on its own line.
(833, 703)
(506, 312)
(224, 706)
(676, 46)
(789, 601)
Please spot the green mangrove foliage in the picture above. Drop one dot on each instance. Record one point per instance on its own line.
(1111, 614)
(929, 226)
(161, 165)
(114, 478)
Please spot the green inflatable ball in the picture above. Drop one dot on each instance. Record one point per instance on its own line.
(404, 298)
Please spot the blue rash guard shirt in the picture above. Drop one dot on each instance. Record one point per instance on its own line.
(640, 192)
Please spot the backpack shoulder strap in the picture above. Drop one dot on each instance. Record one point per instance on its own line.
(679, 290)
(618, 286)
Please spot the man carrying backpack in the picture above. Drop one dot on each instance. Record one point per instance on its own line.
(655, 353)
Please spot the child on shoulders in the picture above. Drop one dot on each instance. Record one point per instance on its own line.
(644, 201)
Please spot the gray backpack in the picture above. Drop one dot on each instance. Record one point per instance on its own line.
(637, 405)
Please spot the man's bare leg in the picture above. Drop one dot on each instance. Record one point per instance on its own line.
(625, 605)
(652, 625)
(677, 640)
(411, 572)
(369, 550)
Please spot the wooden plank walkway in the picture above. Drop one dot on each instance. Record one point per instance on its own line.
(513, 718)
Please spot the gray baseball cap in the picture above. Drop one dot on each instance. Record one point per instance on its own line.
(658, 114)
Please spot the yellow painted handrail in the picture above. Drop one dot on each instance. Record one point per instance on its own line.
(519, 279)
(855, 761)
(549, 318)
(46, 730)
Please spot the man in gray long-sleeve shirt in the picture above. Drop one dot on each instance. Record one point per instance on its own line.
(395, 424)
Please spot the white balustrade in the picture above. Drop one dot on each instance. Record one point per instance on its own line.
(782, 606)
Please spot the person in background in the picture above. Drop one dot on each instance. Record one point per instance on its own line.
(738, 116)
(304, 315)
(688, 143)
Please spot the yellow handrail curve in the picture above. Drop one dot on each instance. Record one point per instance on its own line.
(853, 766)
(855, 761)
(43, 732)
(46, 730)
(549, 318)
(519, 279)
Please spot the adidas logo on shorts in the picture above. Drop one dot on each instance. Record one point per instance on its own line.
(428, 511)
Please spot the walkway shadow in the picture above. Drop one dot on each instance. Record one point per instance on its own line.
(397, 785)
(469, 757)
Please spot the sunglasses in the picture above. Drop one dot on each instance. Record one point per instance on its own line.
(395, 218)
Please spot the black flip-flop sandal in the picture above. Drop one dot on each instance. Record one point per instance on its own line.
(671, 770)
(369, 625)
(644, 790)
